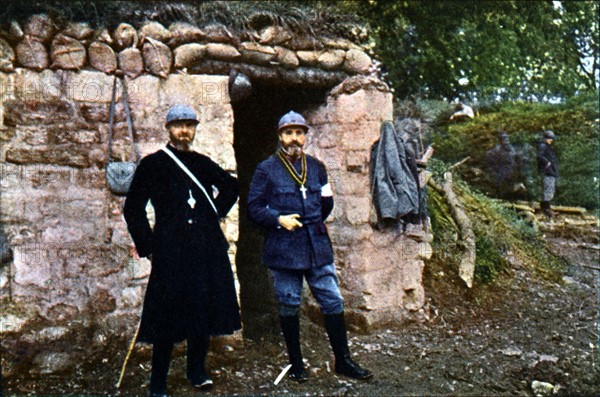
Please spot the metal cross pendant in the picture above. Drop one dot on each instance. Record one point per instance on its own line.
(303, 190)
(191, 201)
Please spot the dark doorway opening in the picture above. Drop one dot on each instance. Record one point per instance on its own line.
(255, 139)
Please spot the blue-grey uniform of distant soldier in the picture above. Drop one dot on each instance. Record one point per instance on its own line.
(191, 292)
(290, 198)
(548, 169)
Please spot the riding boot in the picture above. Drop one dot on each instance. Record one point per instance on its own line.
(545, 207)
(344, 365)
(197, 349)
(161, 358)
(290, 326)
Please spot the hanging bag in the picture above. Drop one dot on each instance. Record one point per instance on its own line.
(119, 174)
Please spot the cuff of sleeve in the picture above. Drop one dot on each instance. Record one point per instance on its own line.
(272, 218)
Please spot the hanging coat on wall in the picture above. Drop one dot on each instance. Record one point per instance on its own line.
(395, 191)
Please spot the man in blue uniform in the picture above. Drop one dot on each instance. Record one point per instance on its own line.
(548, 168)
(290, 198)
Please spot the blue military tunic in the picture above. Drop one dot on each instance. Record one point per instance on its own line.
(273, 192)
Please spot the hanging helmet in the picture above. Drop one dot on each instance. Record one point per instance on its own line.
(181, 112)
(292, 119)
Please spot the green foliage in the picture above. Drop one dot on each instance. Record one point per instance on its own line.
(502, 238)
(577, 146)
(512, 49)
(489, 260)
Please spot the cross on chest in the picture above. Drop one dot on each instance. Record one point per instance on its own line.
(303, 190)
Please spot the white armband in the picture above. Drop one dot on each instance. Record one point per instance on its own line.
(326, 191)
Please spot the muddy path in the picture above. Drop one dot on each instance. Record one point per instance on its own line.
(492, 340)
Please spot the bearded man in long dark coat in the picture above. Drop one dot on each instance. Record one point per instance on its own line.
(191, 292)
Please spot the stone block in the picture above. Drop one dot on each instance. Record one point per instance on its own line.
(333, 158)
(67, 154)
(327, 136)
(139, 268)
(32, 135)
(195, 90)
(32, 268)
(101, 301)
(351, 184)
(53, 362)
(90, 86)
(72, 133)
(60, 312)
(361, 136)
(131, 297)
(357, 161)
(37, 86)
(18, 112)
(364, 104)
(357, 209)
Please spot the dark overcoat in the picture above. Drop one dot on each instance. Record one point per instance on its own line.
(547, 160)
(191, 290)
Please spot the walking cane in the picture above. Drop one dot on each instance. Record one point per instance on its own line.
(128, 355)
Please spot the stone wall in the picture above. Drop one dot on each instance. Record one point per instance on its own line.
(69, 240)
(380, 271)
(72, 271)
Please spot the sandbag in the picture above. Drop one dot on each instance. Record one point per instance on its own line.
(15, 33)
(102, 57)
(224, 52)
(125, 36)
(286, 58)
(309, 58)
(274, 35)
(156, 31)
(7, 57)
(131, 62)
(256, 53)
(188, 55)
(39, 26)
(218, 34)
(67, 53)
(101, 35)
(32, 54)
(183, 33)
(332, 59)
(78, 30)
(357, 62)
(157, 57)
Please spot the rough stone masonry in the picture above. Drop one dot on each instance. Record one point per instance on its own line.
(71, 267)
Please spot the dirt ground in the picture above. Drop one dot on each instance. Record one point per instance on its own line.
(492, 340)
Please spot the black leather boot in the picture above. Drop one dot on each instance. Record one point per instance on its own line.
(290, 326)
(344, 365)
(161, 358)
(545, 207)
(197, 349)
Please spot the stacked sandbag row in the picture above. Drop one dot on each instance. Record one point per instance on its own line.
(38, 44)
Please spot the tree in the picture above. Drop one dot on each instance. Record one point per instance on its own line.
(516, 49)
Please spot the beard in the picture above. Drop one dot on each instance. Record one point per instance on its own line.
(293, 150)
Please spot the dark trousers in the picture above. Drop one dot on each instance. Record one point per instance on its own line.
(197, 349)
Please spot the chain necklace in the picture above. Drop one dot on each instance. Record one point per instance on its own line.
(299, 179)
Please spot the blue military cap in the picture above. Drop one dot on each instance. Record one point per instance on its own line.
(292, 119)
(181, 112)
